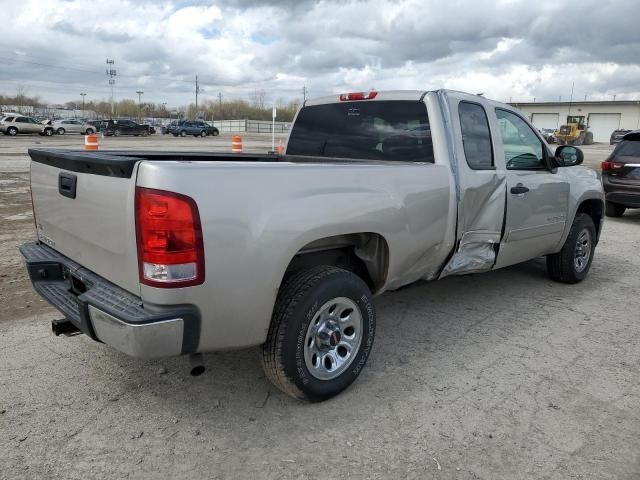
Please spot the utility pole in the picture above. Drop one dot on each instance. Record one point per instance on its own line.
(139, 92)
(220, 98)
(197, 91)
(83, 95)
(305, 90)
(614, 97)
(571, 97)
(111, 74)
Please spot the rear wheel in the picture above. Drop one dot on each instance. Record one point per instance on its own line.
(614, 209)
(321, 333)
(117, 132)
(89, 131)
(13, 131)
(203, 133)
(572, 263)
(61, 131)
(48, 132)
(183, 133)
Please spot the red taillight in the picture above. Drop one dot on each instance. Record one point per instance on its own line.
(169, 236)
(344, 97)
(607, 165)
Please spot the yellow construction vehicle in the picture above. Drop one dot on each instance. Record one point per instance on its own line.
(574, 132)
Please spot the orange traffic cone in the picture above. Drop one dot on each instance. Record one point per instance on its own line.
(280, 148)
(91, 142)
(236, 144)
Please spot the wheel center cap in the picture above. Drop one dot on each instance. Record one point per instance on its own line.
(334, 338)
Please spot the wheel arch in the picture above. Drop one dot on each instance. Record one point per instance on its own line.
(594, 207)
(364, 253)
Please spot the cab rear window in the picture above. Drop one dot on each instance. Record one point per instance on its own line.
(393, 130)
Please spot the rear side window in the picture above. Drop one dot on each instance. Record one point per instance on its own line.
(628, 148)
(476, 137)
(394, 130)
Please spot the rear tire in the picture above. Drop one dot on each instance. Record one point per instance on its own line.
(614, 209)
(183, 133)
(117, 133)
(48, 132)
(60, 131)
(572, 263)
(321, 333)
(203, 133)
(89, 131)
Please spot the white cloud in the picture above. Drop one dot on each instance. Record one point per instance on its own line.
(506, 49)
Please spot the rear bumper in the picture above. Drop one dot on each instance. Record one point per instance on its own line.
(108, 313)
(624, 194)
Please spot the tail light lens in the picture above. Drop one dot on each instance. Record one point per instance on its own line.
(169, 236)
(608, 166)
(358, 96)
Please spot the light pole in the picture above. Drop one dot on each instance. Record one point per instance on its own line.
(139, 103)
(83, 95)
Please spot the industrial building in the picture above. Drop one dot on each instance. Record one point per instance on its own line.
(601, 117)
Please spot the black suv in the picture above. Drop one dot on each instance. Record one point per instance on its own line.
(616, 136)
(125, 127)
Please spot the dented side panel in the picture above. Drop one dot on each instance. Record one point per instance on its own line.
(481, 196)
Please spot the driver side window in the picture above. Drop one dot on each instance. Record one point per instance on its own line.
(523, 150)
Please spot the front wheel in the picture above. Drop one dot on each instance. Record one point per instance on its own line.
(48, 132)
(89, 131)
(614, 209)
(13, 131)
(183, 133)
(572, 263)
(203, 133)
(60, 131)
(321, 333)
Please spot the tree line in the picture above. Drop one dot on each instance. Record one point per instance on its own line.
(254, 109)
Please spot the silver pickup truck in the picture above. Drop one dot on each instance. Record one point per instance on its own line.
(162, 254)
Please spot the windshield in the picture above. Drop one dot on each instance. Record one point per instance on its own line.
(379, 130)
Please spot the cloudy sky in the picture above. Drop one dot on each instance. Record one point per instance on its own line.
(508, 49)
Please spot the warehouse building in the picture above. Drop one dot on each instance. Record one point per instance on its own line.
(602, 118)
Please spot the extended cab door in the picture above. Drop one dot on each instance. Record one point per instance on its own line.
(537, 198)
(481, 178)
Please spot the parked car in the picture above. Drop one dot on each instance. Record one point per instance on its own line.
(14, 125)
(180, 253)
(72, 125)
(621, 175)
(125, 127)
(98, 125)
(616, 136)
(196, 128)
(548, 134)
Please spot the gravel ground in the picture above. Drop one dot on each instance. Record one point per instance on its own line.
(505, 375)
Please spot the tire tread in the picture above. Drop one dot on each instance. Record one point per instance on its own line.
(293, 291)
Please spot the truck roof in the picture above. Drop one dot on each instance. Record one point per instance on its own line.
(384, 95)
(415, 95)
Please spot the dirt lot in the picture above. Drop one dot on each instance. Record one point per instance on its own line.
(507, 375)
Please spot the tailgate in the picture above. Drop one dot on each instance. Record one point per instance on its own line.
(84, 208)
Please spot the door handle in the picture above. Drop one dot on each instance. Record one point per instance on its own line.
(519, 189)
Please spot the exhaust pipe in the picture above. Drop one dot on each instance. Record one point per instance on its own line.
(196, 362)
(64, 327)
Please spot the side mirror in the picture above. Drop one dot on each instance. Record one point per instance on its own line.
(569, 156)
